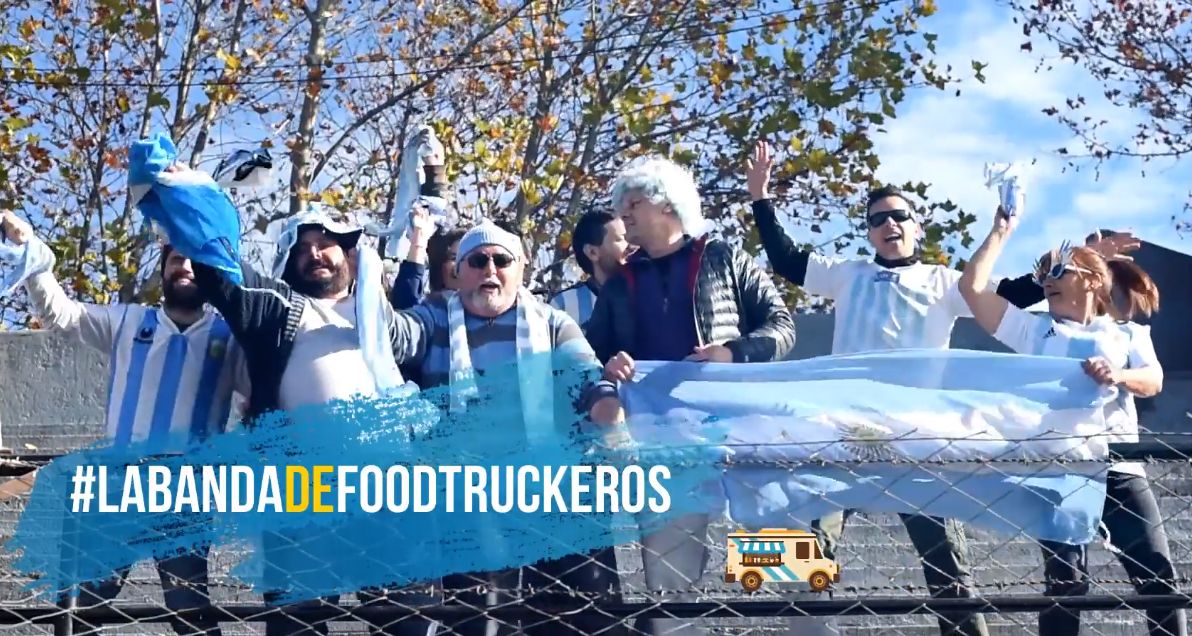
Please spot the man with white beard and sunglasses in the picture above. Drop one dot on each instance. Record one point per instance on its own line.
(488, 324)
(894, 301)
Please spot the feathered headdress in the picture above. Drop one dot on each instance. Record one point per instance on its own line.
(1054, 263)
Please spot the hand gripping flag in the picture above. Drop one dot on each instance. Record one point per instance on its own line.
(1013, 443)
(22, 262)
(1010, 181)
(189, 206)
(421, 145)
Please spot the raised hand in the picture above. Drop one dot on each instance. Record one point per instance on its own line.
(757, 171)
(1115, 247)
(14, 228)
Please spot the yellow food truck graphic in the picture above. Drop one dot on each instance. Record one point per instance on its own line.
(779, 556)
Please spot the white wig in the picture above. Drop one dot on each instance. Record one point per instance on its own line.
(663, 181)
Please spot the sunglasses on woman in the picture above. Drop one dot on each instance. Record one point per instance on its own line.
(481, 260)
(1055, 264)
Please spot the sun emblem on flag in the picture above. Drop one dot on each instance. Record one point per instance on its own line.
(869, 442)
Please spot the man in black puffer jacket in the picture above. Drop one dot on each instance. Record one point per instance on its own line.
(682, 296)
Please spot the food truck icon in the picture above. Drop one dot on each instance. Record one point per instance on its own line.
(779, 556)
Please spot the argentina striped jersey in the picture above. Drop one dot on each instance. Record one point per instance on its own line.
(163, 382)
(880, 308)
(577, 300)
(1126, 345)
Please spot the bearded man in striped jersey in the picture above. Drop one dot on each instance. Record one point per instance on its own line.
(174, 370)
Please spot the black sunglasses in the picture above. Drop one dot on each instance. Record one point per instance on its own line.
(878, 219)
(480, 261)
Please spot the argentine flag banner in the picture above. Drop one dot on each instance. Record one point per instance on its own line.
(1016, 444)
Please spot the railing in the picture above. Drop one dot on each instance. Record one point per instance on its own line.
(881, 588)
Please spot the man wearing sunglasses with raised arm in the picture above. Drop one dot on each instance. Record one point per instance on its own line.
(894, 301)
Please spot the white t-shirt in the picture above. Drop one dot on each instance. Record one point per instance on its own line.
(326, 363)
(878, 308)
(1125, 345)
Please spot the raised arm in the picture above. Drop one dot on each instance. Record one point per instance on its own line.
(987, 306)
(96, 325)
(773, 329)
(258, 308)
(1022, 292)
(785, 257)
(408, 286)
(410, 332)
(815, 274)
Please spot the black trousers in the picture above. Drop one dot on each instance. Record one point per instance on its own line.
(594, 572)
(1136, 529)
(183, 583)
(943, 551)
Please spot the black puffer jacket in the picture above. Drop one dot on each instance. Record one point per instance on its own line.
(736, 305)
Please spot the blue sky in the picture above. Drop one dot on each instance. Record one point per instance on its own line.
(945, 140)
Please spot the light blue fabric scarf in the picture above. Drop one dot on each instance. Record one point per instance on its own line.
(373, 312)
(24, 262)
(534, 370)
(422, 144)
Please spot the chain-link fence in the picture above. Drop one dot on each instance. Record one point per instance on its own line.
(882, 584)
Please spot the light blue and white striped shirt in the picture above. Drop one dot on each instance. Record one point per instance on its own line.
(577, 300)
(1126, 345)
(879, 308)
(163, 382)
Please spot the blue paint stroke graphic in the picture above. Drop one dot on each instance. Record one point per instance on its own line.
(756, 436)
(310, 554)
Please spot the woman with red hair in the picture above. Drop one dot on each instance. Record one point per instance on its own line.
(1091, 301)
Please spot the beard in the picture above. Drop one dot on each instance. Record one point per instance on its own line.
(485, 304)
(308, 283)
(177, 296)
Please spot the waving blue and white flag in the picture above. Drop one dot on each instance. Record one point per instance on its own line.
(1012, 443)
(411, 190)
(22, 262)
(189, 206)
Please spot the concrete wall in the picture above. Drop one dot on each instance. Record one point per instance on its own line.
(51, 399)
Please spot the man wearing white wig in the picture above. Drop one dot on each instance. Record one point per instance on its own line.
(682, 296)
(174, 371)
(490, 321)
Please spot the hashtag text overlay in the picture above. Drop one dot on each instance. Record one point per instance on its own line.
(371, 489)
